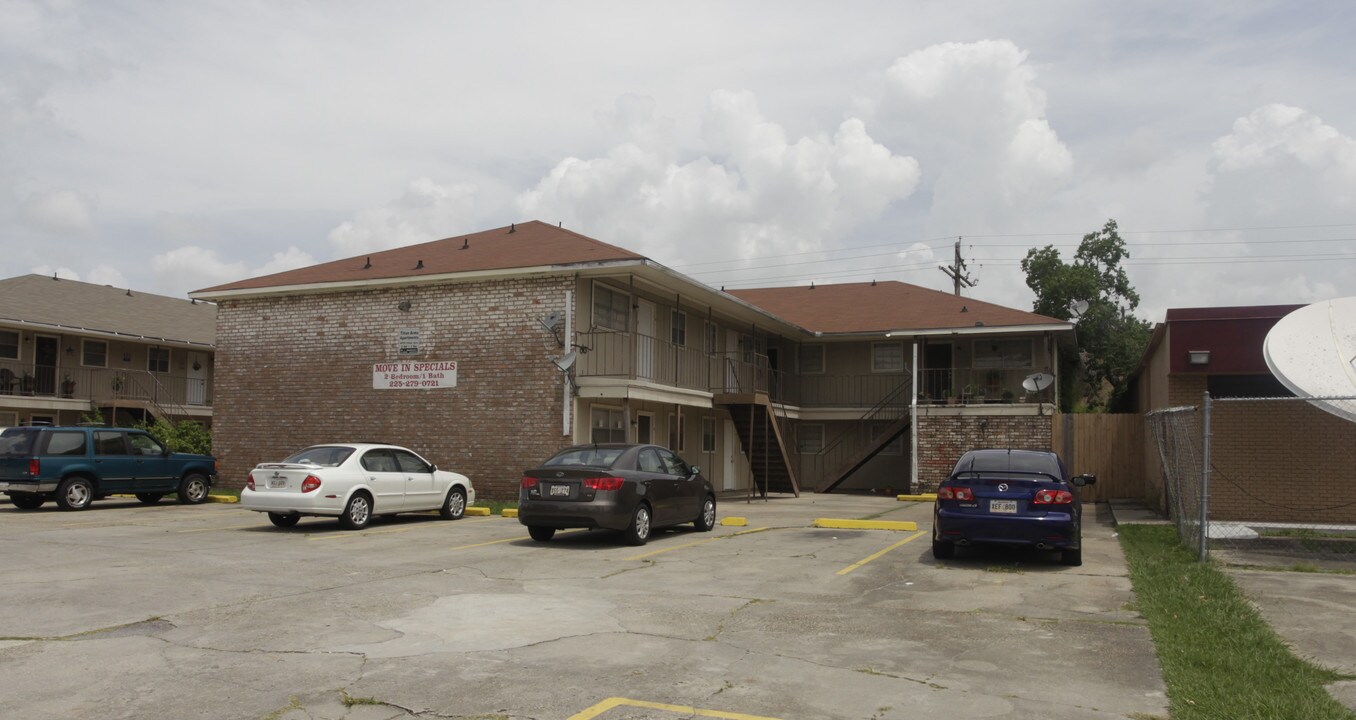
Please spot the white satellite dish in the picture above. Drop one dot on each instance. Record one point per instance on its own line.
(1037, 382)
(1312, 351)
(551, 320)
(1079, 308)
(564, 362)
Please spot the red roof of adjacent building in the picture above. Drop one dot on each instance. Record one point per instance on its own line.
(1233, 335)
(882, 307)
(528, 244)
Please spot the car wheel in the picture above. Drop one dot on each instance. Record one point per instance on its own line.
(193, 490)
(1071, 556)
(357, 513)
(25, 501)
(707, 519)
(150, 498)
(943, 550)
(284, 519)
(639, 531)
(541, 534)
(454, 507)
(74, 493)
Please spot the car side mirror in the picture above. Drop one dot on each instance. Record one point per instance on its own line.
(432, 468)
(1081, 480)
(696, 469)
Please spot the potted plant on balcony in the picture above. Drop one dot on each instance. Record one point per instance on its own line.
(1007, 396)
(117, 383)
(947, 397)
(67, 386)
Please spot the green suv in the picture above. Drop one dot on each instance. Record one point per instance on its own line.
(77, 465)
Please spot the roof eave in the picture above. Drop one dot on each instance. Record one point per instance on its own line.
(408, 280)
(979, 330)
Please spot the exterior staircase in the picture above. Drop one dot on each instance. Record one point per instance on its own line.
(853, 447)
(765, 447)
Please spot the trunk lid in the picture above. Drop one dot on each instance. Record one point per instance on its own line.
(559, 483)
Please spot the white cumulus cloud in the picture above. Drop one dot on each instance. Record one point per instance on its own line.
(192, 267)
(59, 211)
(747, 190)
(975, 117)
(426, 211)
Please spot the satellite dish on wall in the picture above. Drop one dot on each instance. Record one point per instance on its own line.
(1037, 382)
(551, 320)
(564, 362)
(1312, 351)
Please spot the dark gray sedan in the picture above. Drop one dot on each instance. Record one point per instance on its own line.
(631, 488)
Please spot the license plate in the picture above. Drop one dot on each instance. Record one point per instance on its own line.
(277, 483)
(560, 490)
(1003, 506)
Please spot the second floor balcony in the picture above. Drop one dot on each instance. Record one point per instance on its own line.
(103, 387)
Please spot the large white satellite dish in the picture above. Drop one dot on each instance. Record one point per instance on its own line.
(1037, 382)
(1312, 351)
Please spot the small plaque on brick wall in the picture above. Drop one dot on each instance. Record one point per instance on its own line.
(408, 341)
(428, 375)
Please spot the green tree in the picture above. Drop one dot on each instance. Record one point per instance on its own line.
(1111, 340)
(182, 436)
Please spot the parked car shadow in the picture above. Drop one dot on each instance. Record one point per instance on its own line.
(998, 558)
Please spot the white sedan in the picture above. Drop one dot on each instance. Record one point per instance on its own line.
(353, 482)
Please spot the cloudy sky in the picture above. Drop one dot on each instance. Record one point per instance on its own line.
(173, 146)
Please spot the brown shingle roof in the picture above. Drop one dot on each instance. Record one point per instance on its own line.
(529, 244)
(881, 307)
(102, 308)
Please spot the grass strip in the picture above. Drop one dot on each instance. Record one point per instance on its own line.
(1219, 658)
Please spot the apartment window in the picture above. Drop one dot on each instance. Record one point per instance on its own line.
(605, 425)
(94, 353)
(811, 437)
(812, 359)
(676, 439)
(9, 344)
(887, 357)
(710, 338)
(1003, 353)
(678, 328)
(895, 446)
(157, 360)
(611, 309)
(708, 434)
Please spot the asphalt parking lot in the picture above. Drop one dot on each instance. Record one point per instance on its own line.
(125, 611)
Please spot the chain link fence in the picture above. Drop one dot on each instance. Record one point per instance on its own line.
(1261, 481)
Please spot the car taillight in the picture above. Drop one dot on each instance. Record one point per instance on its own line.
(955, 493)
(34, 467)
(529, 482)
(249, 481)
(1053, 497)
(604, 483)
(310, 483)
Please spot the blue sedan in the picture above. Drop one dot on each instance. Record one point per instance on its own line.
(1010, 497)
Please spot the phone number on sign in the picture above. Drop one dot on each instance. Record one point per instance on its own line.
(414, 383)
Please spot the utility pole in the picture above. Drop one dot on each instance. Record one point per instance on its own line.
(957, 271)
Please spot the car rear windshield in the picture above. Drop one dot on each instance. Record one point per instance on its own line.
(17, 442)
(999, 462)
(590, 456)
(322, 455)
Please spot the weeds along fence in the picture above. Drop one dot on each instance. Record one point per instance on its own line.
(1261, 480)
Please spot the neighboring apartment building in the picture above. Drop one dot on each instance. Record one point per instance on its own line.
(1271, 460)
(524, 339)
(69, 349)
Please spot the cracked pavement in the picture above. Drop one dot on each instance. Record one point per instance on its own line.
(127, 611)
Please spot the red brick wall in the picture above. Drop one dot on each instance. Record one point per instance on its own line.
(296, 371)
(942, 440)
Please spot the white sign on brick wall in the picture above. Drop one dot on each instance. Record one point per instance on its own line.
(407, 341)
(427, 375)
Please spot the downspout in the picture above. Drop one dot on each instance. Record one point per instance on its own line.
(913, 425)
(567, 401)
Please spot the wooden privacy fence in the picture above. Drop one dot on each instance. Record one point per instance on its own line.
(1110, 446)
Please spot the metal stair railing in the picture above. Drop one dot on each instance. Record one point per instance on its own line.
(843, 449)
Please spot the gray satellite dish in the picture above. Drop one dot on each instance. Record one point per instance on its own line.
(1079, 308)
(551, 320)
(564, 362)
(1037, 382)
(1312, 351)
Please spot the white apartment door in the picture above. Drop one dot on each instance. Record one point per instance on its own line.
(196, 391)
(645, 340)
(731, 456)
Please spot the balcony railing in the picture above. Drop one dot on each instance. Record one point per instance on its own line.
(973, 386)
(103, 386)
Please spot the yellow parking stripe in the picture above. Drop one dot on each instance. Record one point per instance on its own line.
(684, 710)
(520, 537)
(387, 531)
(222, 527)
(698, 542)
(864, 561)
